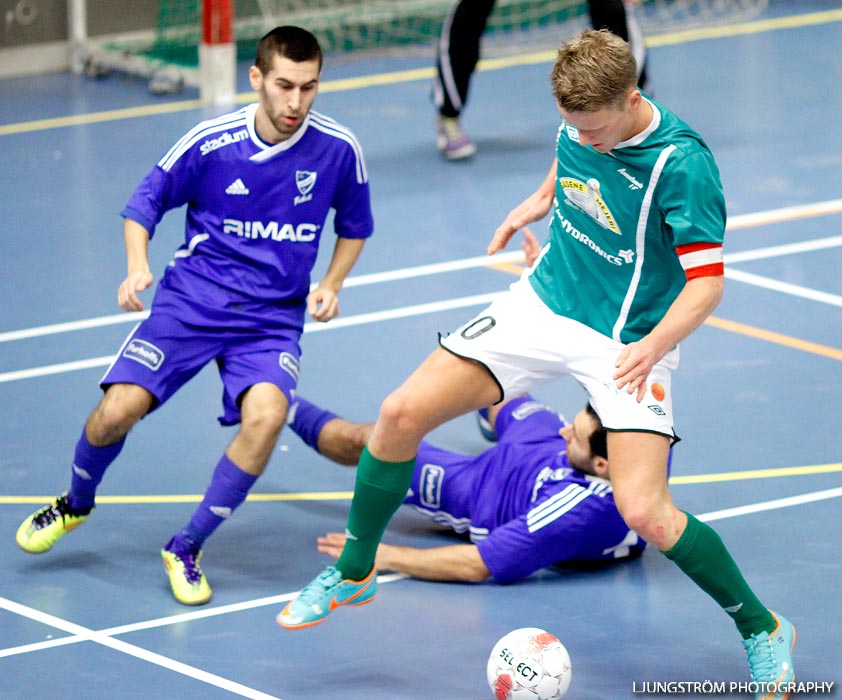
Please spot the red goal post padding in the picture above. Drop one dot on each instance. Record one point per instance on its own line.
(217, 22)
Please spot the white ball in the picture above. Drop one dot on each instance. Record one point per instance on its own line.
(529, 664)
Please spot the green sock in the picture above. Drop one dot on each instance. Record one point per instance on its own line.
(379, 490)
(701, 555)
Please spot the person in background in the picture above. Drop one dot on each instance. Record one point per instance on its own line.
(458, 51)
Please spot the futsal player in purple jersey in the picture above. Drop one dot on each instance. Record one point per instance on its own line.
(258, 184)
(539, 497)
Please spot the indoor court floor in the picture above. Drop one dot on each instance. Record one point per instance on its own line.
(757, 395)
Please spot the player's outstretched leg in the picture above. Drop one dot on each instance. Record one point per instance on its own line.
(770, 659)
(328, 591)
(41, 530)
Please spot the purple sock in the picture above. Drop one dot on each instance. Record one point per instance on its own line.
(228, 489)
(89, 464)
(307, 420)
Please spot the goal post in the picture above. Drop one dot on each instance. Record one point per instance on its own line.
(218, 54)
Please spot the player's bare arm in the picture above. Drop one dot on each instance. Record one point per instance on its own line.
(138, 276)
(532, 209)
(691, 307)
(323, 301)
(458, 562)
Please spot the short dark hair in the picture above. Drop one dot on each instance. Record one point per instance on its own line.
(592, 71)
(290, 42)
(599, 437)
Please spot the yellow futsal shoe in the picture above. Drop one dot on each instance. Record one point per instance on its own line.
(41, 530)
(188, 583)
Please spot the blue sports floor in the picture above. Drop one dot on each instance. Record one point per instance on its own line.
(757, 395)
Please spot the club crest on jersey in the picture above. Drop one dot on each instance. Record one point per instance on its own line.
(145, 353)
(305, 180)
(586, 197)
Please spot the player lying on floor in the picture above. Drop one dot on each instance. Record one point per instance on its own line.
(540, 497)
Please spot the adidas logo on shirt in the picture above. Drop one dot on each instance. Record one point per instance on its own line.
(237, 187)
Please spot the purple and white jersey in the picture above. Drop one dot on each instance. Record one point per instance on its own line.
(255, 214)
(521, 502)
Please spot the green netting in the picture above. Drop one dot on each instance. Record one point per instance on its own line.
(355, 25)
(340, 25)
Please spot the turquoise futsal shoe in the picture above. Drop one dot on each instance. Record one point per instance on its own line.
(770, 660)
(323, 595)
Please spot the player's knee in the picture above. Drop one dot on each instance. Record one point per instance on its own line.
(653, 520)
(120, 408)
(264, 422)
(398, 418)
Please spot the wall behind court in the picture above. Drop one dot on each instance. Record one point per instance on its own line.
(34, 36)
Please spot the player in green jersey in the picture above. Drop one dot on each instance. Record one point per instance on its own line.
(633, 265)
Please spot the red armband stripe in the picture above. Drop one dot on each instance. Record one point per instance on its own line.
(715, 270)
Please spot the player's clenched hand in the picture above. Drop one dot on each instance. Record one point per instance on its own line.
(633, 366)
(135, 282)
(323, 304)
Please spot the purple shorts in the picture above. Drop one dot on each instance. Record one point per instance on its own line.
(162, 354)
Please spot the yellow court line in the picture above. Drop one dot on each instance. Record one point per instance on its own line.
(347, 495)
(95, 117)
(407, 76)
(190, 498)
(754, 27)
(757, 474)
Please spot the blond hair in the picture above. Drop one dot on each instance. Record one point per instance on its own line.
(595, 70)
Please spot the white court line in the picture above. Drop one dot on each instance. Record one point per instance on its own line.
(421, 309)
(313, 327)
(740, 221)
(783, 287)
(771, 505)
(85, 634)
(357, 281)
(787, 249)
(104, 637)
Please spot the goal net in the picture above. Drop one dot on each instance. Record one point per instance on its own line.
(350, 28)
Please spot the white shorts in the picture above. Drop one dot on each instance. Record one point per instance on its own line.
(523, 344)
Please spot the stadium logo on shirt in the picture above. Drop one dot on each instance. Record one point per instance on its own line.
(432, 476)
(145, 353)
(586, 197)
(304, 181)
(225, 139)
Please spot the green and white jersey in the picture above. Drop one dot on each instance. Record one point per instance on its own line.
(629, 227)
